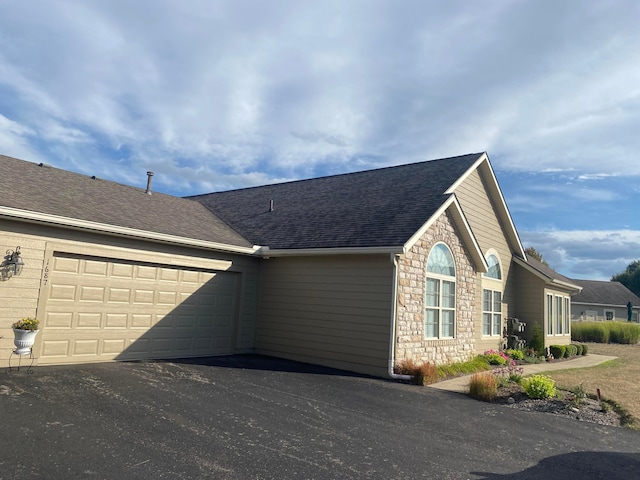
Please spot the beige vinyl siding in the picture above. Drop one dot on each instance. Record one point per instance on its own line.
(489, 233)
(531, 301)
(28, 294)
(332, 310)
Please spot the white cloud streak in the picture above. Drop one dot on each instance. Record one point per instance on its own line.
(215, 95)
(586, 254)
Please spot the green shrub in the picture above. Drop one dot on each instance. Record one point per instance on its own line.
(557, 351)
(572, 351)
(539, 386)
(483, 386)
(577, 395)
(536, 342)
(515, 354)
(579, 348)
(585, 349)
(495, 358)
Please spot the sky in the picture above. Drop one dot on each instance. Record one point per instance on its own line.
(216, 95)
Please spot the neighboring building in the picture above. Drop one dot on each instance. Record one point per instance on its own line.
(355, 271)
(601, 301)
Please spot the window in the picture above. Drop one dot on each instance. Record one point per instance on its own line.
(558, 316)
(494, 268)
(440, 296)
(491, 312)
(609, 314)
(549, 314)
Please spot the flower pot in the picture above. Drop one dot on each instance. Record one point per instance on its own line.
(24, 340)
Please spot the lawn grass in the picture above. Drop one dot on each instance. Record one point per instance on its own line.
(618, 380)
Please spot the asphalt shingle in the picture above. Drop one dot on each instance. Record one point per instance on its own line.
(600, 292)
(374, 208)
(43, 189)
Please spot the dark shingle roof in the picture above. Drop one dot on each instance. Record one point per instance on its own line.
(375, 208)
(28, 186)
(604, 293)
(548, 271)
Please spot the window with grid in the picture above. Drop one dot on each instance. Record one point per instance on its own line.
(440, 294)
(491, 312)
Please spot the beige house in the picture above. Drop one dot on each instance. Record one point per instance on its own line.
(354, 271)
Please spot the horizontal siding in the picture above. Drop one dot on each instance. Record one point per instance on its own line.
(333, 311)
(488, 231)
(22, 295)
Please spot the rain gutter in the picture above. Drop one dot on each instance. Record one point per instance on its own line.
(118, 231)
(394, 315)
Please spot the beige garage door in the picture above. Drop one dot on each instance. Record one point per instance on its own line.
(98, 309)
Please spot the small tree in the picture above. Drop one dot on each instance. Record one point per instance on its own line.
(630, 278)
(532, 252)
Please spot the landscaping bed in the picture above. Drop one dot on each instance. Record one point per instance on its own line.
(588, 410)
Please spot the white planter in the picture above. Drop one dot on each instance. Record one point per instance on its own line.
(24, 340)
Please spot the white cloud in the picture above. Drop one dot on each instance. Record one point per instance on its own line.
(296, 87)
(587, 254)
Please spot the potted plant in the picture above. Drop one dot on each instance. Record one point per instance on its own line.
(25, 332)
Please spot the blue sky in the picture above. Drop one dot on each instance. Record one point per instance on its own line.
(214, 95)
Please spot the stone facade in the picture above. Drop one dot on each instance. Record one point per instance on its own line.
(412, 270)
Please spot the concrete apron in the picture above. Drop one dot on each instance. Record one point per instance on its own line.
(461, 384)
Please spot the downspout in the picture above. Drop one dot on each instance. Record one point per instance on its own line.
(394, 314)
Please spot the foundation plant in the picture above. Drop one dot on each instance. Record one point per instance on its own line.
(426, 373)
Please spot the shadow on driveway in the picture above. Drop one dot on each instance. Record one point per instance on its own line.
(252, 417)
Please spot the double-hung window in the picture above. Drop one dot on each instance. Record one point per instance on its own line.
(440, 294)
(492, 298)
(491, 312)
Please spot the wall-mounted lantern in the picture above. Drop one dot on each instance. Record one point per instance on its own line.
(12, 264)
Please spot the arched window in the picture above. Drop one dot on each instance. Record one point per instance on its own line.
(494, 268)
(440, 298)
(492, 298)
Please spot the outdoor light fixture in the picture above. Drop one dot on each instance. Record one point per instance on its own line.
(14, 262)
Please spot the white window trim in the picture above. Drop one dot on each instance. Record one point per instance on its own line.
(613, 314)
(489, 252)
(441, 278)
(549, 314)
(492, 313)
(553, 320)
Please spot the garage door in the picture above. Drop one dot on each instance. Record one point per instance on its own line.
(98, 309)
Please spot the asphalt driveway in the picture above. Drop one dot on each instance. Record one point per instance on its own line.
(252, 417)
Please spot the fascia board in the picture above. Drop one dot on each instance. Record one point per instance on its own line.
(575, 288)
(547, 279)
(114, 230)
(495, 192)
(266, 252)
(468, 239)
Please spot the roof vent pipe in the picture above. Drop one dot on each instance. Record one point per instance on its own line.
(149, 175)
(271, 206)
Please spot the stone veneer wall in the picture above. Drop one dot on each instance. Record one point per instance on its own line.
(412, 269)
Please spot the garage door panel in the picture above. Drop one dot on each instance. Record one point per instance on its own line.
(103, 310)
(85, 347)
(64, 264)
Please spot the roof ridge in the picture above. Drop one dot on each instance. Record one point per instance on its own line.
(336, 175)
